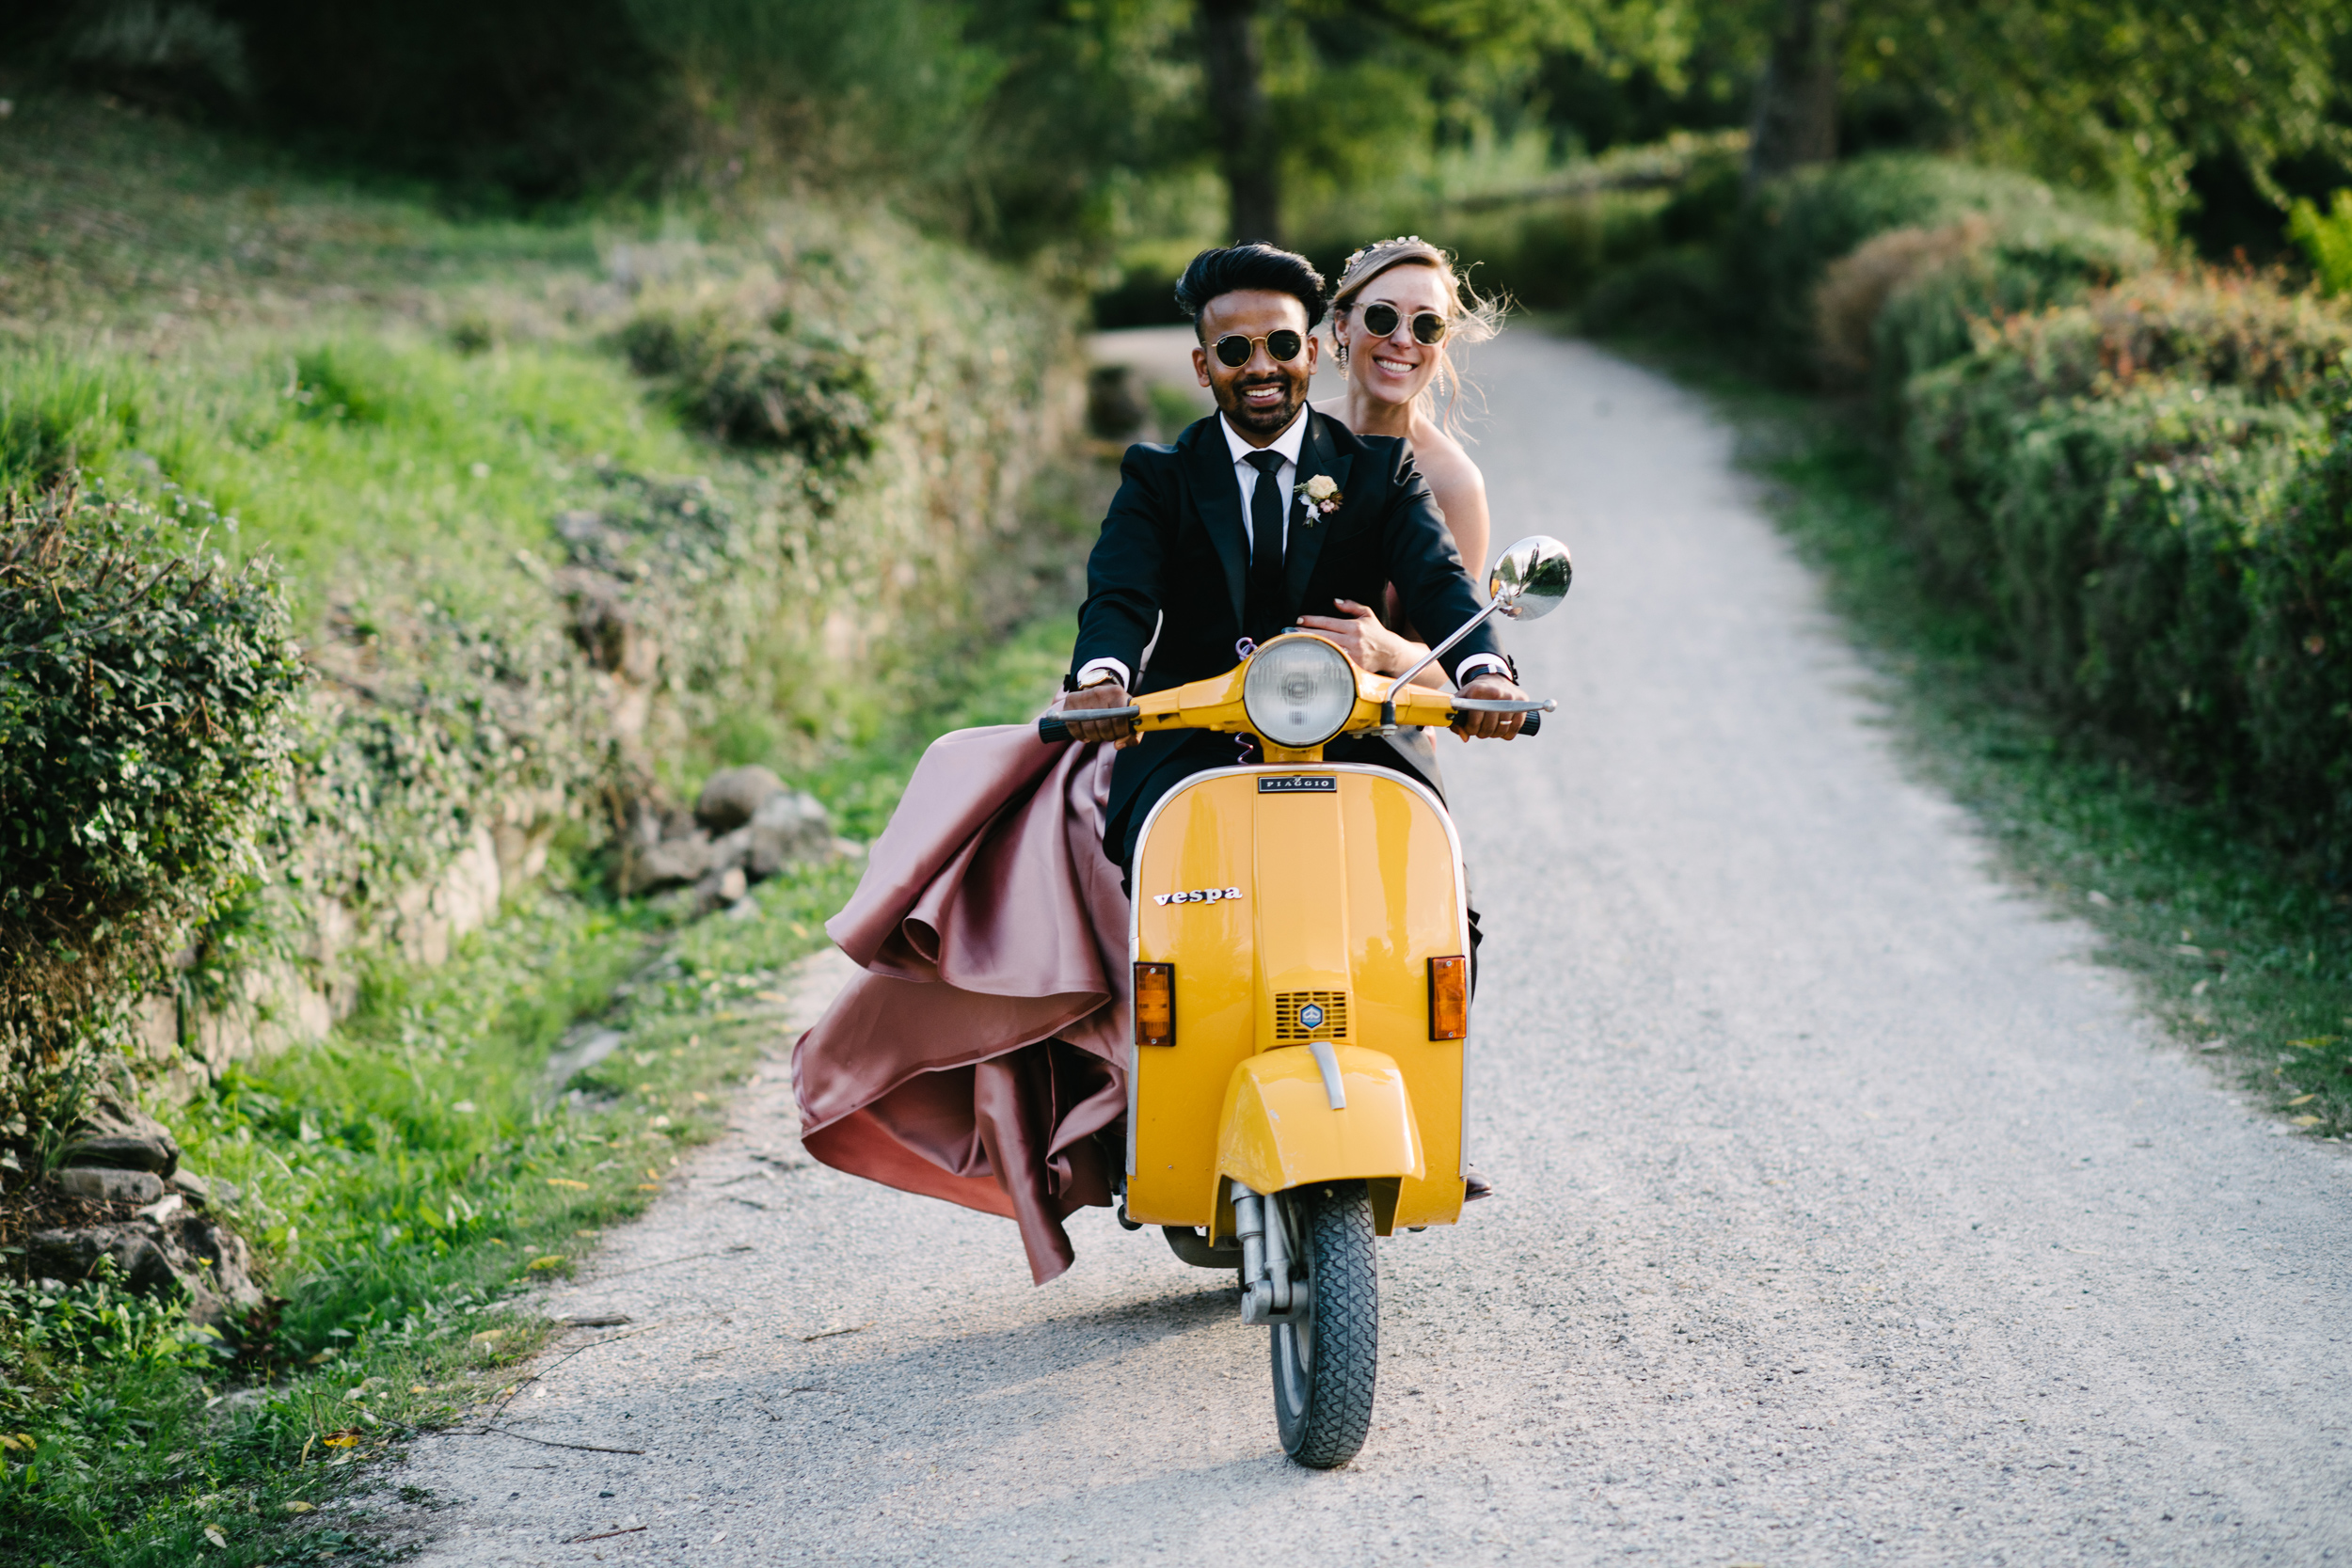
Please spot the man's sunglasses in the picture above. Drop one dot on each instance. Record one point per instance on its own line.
(1381, 318)
(1233, 350)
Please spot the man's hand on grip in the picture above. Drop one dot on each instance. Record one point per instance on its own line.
(1491, 726)
(1117, 732)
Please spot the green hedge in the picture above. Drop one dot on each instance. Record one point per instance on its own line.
(2145, 488)
(2143, 474)
(2297, 659)
(1787, 238)
(2004, 268)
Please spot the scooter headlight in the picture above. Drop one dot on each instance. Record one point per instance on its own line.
(1298, 693)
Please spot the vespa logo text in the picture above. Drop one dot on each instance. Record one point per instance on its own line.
(1198, 895)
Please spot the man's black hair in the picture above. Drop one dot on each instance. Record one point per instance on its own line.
(1255, 265)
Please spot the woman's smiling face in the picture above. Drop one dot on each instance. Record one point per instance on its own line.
(1395, 369)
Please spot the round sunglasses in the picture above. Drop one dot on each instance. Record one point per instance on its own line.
(1233, 350)
(1380, 320)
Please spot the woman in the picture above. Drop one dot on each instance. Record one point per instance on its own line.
(1396, 313)
(980, 1056)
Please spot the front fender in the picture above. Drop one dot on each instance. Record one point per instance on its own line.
(1279, 1129)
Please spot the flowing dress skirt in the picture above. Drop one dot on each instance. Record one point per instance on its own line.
(983, 1046)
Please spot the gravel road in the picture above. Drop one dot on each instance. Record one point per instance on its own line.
(1848, 1212)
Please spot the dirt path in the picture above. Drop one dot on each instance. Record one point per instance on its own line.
(1849, 1213)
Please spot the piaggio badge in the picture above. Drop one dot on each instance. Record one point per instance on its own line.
(1295, 784)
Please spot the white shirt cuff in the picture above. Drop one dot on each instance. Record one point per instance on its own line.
(1112, 667)
(1477, 665)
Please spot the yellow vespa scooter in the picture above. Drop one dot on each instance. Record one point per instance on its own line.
(1302, 1001)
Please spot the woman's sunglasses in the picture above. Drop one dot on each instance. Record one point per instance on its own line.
(1233, 350)
(1381, 318)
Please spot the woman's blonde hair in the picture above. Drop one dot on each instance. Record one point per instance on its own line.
(1473, 320)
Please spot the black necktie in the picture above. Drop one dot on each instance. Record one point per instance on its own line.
(1264, 611)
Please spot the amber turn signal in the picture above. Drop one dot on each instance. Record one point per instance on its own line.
(1448, 999)
(1155, 1004)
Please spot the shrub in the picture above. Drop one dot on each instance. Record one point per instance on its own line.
(757, 384)
(2230, 328)
(1856, 288)
(1791, 233)
(2000, 269)
(2296, 661)
(146, 694)
(2144, 489)
(2326, 240)
(1549, 255)
(2218, 330)
(1680, 290)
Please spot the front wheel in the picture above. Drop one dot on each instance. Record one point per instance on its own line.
(1326, 1352)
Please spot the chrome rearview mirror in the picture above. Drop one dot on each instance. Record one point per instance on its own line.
(1530, 578)
(1528, 582)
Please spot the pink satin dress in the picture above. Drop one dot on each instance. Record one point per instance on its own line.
(983, 1046)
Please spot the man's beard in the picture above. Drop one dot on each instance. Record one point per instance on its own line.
(1272, 421)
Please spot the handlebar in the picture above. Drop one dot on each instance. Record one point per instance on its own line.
(1533, 709)
(1054, 728)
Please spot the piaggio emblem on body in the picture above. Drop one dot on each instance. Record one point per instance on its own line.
(1198, 895)
(1297, 783)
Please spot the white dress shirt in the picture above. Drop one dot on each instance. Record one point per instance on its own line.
(1246, 471)
(1246, 475)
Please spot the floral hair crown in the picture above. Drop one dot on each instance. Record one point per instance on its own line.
(1405, 243)
(1362, 251)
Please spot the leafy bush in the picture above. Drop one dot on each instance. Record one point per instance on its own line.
(1789, 235)
(1549, 255)
(1998, 269)
(2135, 472)
(2326, 240)
(2296, 659)
(2142, 488)
(757, 384)
(146, 701)
(1856, 289)
(146, 694)
(1678, 291)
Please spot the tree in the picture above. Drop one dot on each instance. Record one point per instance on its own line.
(1331, 85)
(1796, 98)
(1232, 70)
(2120, 96)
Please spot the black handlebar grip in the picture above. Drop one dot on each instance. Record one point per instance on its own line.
(1529, 722)
(1053, 729)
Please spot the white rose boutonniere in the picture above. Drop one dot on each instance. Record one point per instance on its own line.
(1323, 497)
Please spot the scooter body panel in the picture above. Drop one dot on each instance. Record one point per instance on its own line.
(1296, 903)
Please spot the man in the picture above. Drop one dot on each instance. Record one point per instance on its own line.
(1209, 547)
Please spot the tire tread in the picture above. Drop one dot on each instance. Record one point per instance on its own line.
(1346, 1373)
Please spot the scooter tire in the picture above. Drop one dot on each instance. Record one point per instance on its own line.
(1326, 1356)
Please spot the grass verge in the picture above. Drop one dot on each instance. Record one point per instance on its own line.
(407, 1182)
(2244, 957)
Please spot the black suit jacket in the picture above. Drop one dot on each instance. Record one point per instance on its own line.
(1174, 556)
